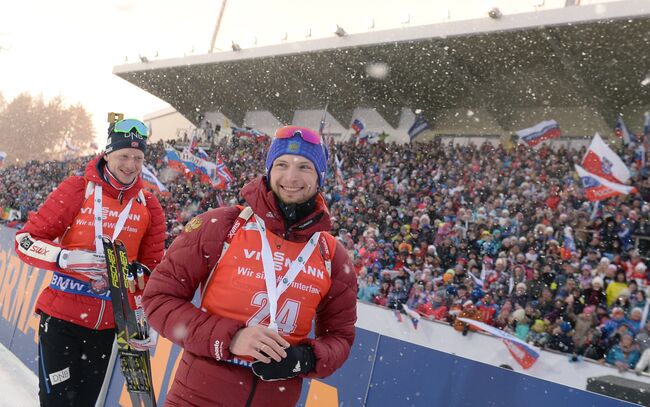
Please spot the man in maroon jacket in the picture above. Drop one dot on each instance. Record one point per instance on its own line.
(77, 328)
(266, 272)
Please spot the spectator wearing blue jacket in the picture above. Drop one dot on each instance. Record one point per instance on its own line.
(625, 354)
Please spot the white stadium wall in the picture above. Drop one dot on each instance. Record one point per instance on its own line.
(167, 124)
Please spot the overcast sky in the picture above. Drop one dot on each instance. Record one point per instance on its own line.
(69, 48)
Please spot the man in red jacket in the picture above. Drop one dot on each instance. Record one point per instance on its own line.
(76, 332)
(266, 272)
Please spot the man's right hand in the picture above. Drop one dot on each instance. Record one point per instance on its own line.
(259, 342)
(82, 261)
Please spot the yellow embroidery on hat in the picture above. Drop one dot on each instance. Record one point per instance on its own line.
(193, 224)
(293, 147)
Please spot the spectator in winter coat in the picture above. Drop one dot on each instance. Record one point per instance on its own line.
(595, 295)
(625, 354)
(77, 327)
(561, 339)
(368, 289)
(248, 343)
(520, 297)
(615, 287)
(535, 285)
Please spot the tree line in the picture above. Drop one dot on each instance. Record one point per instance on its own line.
(34, 129)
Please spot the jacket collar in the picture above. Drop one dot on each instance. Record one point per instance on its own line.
(262, 200)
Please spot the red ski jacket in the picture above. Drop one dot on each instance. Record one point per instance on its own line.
(204, 377)
(67, 210)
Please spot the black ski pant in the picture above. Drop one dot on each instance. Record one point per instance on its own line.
(72, 362)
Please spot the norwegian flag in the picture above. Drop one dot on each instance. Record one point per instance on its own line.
(223, 173)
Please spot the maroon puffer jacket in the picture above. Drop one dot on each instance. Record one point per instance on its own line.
(203, 380)
(53, 219)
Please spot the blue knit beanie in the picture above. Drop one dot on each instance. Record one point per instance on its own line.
(295, 145)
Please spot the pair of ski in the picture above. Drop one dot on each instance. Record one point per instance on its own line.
(129, 324)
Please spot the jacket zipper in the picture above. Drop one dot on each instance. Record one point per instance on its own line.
(252, 393)
(101, 314)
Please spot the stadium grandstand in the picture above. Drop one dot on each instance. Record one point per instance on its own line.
(468, 73)
(444, 208)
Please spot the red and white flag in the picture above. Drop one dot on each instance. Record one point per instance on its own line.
(604, 162)
(598, 188)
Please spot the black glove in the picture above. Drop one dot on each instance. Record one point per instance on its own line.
(300, 360)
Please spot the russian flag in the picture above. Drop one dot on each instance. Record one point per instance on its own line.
(604, 162)
(598, 188)
(150, 181)
(205, 169)
(3, 156)
(174, 161)
(539, 133)
(525, 354)
(357, 126)
(201, 153)
(623, 132)
(419, 125)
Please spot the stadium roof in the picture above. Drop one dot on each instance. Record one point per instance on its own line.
(577, 56)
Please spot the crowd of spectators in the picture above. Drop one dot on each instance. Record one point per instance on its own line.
(455, 230)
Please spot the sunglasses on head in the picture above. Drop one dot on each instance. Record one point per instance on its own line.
(128, 126)
(308, 135)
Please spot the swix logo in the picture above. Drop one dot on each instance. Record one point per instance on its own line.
(39, 250)
(234, 229)
(280, 261)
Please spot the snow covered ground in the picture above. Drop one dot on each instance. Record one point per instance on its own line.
(18, 384)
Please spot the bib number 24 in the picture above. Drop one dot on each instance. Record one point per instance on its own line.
(287, 316)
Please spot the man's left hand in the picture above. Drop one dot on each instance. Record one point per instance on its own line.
(145, 344)
(300, 360)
